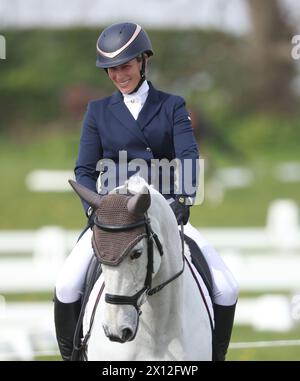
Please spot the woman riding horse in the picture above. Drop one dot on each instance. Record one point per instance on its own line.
(147, 124)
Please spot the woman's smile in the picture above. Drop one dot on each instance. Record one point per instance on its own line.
(127, 76)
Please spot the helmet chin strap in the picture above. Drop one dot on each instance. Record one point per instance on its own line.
(143, 75)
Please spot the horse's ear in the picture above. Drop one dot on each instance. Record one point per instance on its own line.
(139, 203)
(92, 198)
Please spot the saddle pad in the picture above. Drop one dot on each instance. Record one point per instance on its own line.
(203, 290)
(200, 263)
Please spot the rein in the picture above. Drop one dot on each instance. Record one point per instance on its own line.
(160, 287)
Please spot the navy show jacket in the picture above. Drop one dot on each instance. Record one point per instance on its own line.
(162, 130)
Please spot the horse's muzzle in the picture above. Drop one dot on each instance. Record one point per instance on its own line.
(126, 335)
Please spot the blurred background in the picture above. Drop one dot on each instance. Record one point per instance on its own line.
(237, 65)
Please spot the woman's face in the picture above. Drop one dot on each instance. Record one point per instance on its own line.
(127, 76)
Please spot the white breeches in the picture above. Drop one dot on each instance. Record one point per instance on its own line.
(225, 288)
(71, 279)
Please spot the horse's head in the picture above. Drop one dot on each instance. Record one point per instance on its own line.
(130, 254)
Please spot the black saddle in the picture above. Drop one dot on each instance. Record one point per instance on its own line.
(200, 263)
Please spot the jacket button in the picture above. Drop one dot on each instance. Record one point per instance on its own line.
(148, 149)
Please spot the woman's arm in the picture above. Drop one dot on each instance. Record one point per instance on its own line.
(186, 149)
(90, 152)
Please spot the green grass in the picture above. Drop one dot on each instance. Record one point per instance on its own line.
(48, 358)
(248, 334)
(28, 297)
(23, 209)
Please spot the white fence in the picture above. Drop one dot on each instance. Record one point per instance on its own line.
(256, 260)
(260, 258)
(30, 260)
(26, 328)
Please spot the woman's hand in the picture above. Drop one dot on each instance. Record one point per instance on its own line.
(181, 209)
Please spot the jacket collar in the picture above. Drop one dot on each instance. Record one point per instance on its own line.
(139, 96)
(153, 95)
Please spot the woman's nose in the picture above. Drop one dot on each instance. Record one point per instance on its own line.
(119, 76)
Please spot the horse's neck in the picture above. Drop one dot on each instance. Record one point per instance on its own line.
(168, 303)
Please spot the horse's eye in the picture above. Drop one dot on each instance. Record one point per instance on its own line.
(136, 254)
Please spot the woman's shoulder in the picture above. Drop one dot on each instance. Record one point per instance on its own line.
(173, 97)
(172, 100)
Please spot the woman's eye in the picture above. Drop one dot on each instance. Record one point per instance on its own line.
(136, 254)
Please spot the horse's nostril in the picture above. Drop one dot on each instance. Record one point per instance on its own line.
(126, 334)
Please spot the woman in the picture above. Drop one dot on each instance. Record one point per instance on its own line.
(146, 124)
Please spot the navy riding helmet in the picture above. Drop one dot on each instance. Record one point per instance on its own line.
(120, 43)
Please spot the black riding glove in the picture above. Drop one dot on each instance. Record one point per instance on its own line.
(181, 209)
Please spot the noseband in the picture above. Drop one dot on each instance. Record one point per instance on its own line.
(137, 299)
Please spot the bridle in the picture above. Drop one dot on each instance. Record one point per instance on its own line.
(138, 298)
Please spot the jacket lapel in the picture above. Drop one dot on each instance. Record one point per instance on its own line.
(121, 112)
(150, 108)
